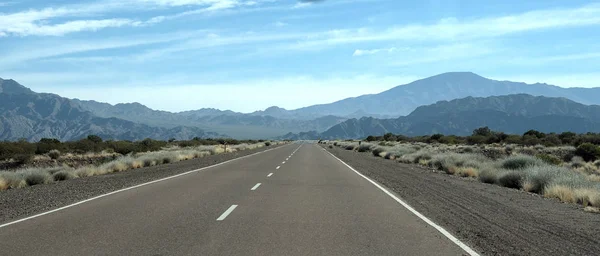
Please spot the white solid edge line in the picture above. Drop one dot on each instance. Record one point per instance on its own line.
(270, 174)
(226, 213)
(129, 188)
(415, 212)
(255, 186)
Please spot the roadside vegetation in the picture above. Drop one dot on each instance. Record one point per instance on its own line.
(50, 160)
(567, 169)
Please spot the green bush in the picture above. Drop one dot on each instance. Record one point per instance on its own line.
(376, 151)
(549, 159)
(63, 175)
(36, 177)
(364, 147)
(519, 162)
(588, 151)
(22, 159)
(267, 143)
(510, 179)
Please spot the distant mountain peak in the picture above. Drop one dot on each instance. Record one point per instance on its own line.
(274, 108)
(12, 87)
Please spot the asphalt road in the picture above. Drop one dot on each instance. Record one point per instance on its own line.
(293, 200)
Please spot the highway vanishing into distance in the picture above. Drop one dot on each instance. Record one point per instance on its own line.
(297, 199)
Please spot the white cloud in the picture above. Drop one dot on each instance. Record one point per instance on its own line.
(359, 52)
(280, 24)
(39, 51)
(215, 3)
(299, 5)
(40, 22)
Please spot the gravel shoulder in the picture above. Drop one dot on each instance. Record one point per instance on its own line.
(491, 219)
(23, 202)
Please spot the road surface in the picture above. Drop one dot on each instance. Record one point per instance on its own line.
(293, 200)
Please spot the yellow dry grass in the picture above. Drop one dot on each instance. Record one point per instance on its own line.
(452, 170)
(423, 162)
(588, 197)
(592, 209)
(563, 193)
(594, 177)
(468, 172)
(528, 186)
(137, 164)
(3, 184)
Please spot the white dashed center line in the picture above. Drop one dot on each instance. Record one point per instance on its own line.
(283, 162)
(270, 174)
(278, 167)
(226, 213)
(255, 186)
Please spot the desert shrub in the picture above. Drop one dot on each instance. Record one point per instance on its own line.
(493, 153)
(402, 149)
(577, 162)
(330, 146)
(549, 159)
(36, 176)
(488, 175)
(510, 179)
(63, 175)
(267, 143)
(349, 147)
(376, 151)
(588, 151)
(54, 154)
(446, 161)
(22, 159)
(537, 178)
(520, 162)
(364, 147)
(416, 157)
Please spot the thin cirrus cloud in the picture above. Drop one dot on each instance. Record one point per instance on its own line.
(39, 22)
(452, 29)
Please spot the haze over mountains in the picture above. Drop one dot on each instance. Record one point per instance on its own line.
(26, 114)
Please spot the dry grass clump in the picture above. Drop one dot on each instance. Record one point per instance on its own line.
(30, 177)
(416, 157)
(449, 162)
(563, 193)
(365, 147)
(54, 154)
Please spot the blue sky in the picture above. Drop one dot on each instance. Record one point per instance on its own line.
(246, 55)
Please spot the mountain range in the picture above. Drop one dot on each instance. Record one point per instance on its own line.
(32, 116)
(403, 99)
(257, 125)
(420, 107)
(513, 114)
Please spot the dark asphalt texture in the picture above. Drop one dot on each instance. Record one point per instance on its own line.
(492, 220)
(312, 205)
